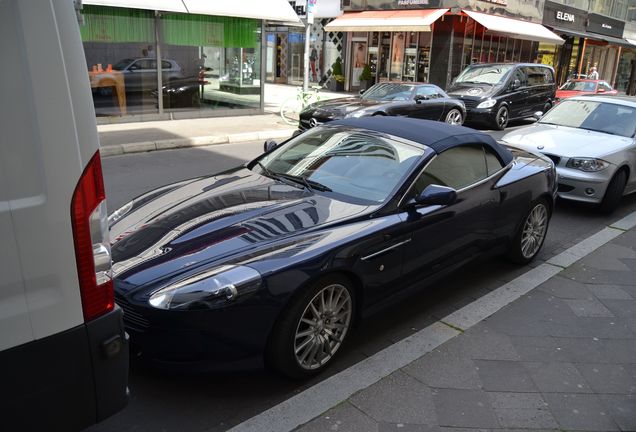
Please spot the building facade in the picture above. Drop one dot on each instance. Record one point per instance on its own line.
(434, 40)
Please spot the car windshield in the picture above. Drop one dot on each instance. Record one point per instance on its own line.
(357, 165)
(610, 118)
(121, 64)
(486, 74)
(389, 92)
(587, 86)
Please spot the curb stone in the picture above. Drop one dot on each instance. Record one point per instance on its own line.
(148, 146)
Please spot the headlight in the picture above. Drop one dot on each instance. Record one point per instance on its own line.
(587, 164)
(119, 213)
(356, 114)
(210, 289)
(488, 103)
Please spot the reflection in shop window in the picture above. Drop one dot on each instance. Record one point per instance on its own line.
(119, 45)
(219, 59)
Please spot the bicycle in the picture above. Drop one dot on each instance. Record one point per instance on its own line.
(290, 108)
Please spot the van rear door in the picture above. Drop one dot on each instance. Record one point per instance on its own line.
(63, 369)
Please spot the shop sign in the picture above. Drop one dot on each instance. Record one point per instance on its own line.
(559, 15)
(604, 25)
(300, 6)
(412, 2)
(499, 2)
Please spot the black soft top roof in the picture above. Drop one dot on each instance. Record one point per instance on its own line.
(436, 135)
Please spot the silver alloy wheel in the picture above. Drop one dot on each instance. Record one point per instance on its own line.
(534, 229)
(454, 117)
(323, 326)
(502, 117)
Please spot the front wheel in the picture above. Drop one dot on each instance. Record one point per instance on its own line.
(455, 117)
(290, 111)
(614, 192)
(312, 329)
(531, 233)
(501, 118)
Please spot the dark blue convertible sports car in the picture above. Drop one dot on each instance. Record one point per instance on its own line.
(277, 259)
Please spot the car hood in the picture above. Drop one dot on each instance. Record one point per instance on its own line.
(471, 91)
(344, 105)
(563, 94)
(565, 141)
(214, 219)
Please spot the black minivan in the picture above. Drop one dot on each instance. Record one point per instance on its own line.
(495, 93)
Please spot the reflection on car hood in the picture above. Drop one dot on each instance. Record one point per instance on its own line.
(471, 91)
(213, 219)
(344, 105)
(565, 141)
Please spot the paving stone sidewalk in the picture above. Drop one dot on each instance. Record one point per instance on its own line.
(561, 358)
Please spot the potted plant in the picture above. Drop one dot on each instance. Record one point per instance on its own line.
(336, 74)
(366, 78)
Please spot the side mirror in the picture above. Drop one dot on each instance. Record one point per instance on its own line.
(362, 91)
(600, 90)
(537, 115)
(269, 145)
(420, 98)
(436, 195)
(515, 84)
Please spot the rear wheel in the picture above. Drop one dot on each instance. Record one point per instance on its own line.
(454, 117)
(501, 118)
(614, 192)
(531, 234)
(547, 107)
(312, 329)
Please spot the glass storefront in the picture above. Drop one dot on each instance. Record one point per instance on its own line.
(207, 62)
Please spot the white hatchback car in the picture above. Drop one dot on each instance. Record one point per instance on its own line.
(591, 141)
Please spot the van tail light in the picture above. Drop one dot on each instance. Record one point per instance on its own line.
(92, 245)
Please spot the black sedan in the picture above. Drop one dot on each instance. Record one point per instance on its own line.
(423, 101)
(277, 259)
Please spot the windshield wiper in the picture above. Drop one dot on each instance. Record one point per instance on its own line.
(309, 184)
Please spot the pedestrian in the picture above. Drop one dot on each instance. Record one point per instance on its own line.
(593, 75)
(312, 61)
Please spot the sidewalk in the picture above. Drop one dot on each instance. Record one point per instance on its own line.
(159, 135)
(562, 358)
(552, 350)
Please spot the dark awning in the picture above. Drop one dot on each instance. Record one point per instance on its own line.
(609, 39)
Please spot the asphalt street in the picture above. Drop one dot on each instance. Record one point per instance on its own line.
(163, 401)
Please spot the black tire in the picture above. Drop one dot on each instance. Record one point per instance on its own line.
(455, 117)
(614, 192)
(379, 113)
(516, 251)
(547, 107)
(281, 349)
(501, 118)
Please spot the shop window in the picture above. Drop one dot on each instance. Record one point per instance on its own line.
(119, 44)
(218, 60)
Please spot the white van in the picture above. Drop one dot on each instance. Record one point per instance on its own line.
(63, 350)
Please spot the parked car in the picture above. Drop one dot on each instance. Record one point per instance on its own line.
(580, 87)
(496, 93)
(182, 93)
(591, 141)
(140, 74)
(424, 101)
(63, 349)
(278, 258)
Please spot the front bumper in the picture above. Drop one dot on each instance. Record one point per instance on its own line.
(480, 115)
(581, 186)
(229, 338)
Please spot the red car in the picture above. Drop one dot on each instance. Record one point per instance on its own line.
(578, 87)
